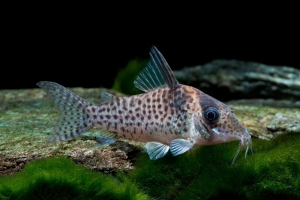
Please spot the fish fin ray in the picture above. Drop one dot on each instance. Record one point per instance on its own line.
(105, 137)
(180, 146)
(106, 97)
(72, 121)
(156, 150)
(157, 73)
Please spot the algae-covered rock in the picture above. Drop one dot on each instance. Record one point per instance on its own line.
(233, 79)
(264, 121)
(27, 117)
(26, 120)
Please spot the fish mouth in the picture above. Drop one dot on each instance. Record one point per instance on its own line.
(245, 142)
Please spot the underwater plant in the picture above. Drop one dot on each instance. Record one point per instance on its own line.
(273, 172)
(61, 178)
(203, 173)
(125, 77)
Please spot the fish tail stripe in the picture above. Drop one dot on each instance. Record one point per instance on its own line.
(73, 120)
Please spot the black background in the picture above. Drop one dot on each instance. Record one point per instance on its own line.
(86, 45)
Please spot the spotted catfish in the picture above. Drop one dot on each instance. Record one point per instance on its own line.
(168, 116)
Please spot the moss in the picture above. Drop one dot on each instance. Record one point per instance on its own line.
(27, 117)
(273, 171)
(205, 173)
(125, 78)
(61, 178)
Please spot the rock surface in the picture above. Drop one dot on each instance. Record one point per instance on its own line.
(26, 120)
(27, 117)
(232, 79)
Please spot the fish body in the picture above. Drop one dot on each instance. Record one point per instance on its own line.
(168, 116)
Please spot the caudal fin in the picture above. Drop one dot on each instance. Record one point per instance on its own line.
(73, 120)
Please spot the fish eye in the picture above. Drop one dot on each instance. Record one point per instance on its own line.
(211, 114)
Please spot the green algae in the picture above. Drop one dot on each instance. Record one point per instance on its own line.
(273, 171)
(61, 178)
(205, 173)
(27, 118)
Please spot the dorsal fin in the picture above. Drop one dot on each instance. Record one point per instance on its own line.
(157, 73)
(106, 97)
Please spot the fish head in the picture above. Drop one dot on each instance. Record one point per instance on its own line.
(218, 124)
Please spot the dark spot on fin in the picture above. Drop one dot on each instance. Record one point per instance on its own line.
(157, 73)
(106, 97)
(73, 120)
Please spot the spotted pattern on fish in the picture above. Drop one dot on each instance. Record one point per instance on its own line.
(169, 116)
(150, 114)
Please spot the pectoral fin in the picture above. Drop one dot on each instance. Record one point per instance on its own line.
(179, 146)
(156, 150)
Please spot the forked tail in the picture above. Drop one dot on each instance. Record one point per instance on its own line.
(73, 120)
